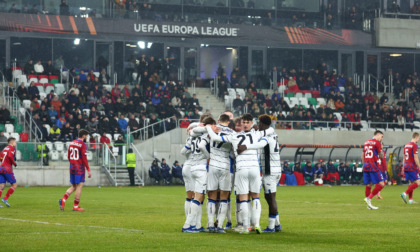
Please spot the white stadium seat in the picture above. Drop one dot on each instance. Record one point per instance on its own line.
(26, 103)
(15, 135)
(55, 155)
(18, 155)
(59, 146)
(59, 88)
(49, 145)
(64, 155)
(89, 155)
(9, 128)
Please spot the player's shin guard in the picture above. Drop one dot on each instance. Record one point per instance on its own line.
(199, 216)
(250, 212)
(277, 219)
(409, 190)
(244, 213)
(256, 212)
(12, 190)
(211, 212)
(368, 191)
(272, 221)
(229, 212)
(378, 188)
(192, 214)
(187, 205)
(1, 192)
(223, 208)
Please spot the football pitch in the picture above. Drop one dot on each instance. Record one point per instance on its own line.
(150, 219)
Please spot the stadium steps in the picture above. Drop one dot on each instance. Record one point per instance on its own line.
(208, 101)
(120, 176)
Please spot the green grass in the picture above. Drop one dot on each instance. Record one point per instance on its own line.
(150, 219)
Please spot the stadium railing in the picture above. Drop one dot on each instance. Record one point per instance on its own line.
(148, 131)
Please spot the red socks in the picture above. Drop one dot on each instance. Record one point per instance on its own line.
(1, 191)
(76, 202)
(65, 197)
(378, 188)
(367, 191)
(410, 196)
(12, 190)
(411, 188)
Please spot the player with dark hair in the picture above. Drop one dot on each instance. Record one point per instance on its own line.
(8, 157)
(78, 162)
(270, 162)
(247, 177)
(372, 152)
(411, 167)
(199, 156)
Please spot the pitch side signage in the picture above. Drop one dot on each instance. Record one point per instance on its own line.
(174, 29)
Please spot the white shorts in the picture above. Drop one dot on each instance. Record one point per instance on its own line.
(247, 180)
(186, 174)
(270, 183)
(219, 179)
(199, 178)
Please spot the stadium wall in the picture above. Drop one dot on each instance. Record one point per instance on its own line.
(397, 32)
(55, 176)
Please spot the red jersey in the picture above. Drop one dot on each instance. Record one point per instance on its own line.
(77, 157)
(383, 167)
(410, 150)
(7, 160)
(371, 150)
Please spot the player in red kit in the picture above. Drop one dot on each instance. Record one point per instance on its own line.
(383, 168)
(6, 170)
(78, 162)
(411, 167)
(372, 152)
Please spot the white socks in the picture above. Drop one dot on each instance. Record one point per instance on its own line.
(238, 210)
(199, 216)
(222, 213)
(187, 205)
(271, 221)
(211, 212)
(244, 213)
(256, 212)
(277, 219)
(229, 212)
(193, 214)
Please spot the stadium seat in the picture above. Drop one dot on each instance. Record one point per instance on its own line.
(54, 81)
(96, 136)
(7, 135)
(338, 115)
(15, 135)
(398, 130)
(108, 88)
(49, 145)
(89, 155)
(22, 111)
(59, 88)
(26, 104)
(97, 74)
(312, 101)
(59, 146)
(23, 79)
(68, 145)
(34, 80)
(321, 101)
(308, 95)
(18, 155)
(116, 136)
(9, 128)
(24, 137)
(64, 155)
(40, 87)
(55, 155)
(53, 77)
(364, 124)
(299, 95)
(87, 111)
(48, 127)
(282, 88)
(17, 73)
(42, 95)
(241, 92)
(48, 87)
(110, 136)
(43, 80)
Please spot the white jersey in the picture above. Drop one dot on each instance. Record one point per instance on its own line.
(274, 167)
(248, 159)
(220, 152)
(199, 152)
(187, 154)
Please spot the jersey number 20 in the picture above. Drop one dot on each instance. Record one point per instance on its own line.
(74, 153)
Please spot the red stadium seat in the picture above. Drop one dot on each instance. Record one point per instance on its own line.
(42, 76)
(315, 94)
(24, 137)
(53, 77)
(30, 76)
(39, 84)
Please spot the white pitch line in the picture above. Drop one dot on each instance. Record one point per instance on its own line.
(61, 224)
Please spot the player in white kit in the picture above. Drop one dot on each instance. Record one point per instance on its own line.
(186, 174)
(247, 177)
(270, 162)
(199, 156)
(219, 177)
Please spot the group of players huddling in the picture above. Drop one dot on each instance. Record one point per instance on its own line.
(225, 154)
